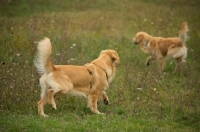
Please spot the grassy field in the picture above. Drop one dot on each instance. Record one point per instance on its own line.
(79, 30)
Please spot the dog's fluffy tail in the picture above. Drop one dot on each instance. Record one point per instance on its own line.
(183, 32)
(42, 60)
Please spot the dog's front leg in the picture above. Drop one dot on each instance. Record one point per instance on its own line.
(103, 97)
(160, 61)
(150, 58)
(92, 101)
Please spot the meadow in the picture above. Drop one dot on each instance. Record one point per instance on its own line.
(141, 99)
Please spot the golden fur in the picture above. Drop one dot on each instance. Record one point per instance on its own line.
(159, 48)
(75, 80)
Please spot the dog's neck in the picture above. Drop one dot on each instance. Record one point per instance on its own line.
(103, 70)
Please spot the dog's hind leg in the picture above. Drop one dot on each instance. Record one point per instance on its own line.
(41, 104)
(178, 64)
(43, 99)
(59, 86)
(51, 94)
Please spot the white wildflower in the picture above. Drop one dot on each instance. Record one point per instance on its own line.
(73, 45)
(140, 89)
(145, 19)
(72, 59)
(18, 55)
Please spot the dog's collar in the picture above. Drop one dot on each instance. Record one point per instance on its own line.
(145, 46)
(91, 77)
(103, 70)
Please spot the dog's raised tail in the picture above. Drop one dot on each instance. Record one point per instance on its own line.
(183, 32)
(42, 60)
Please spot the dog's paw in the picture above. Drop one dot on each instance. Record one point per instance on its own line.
(105, 101)
(44, 115)
(54, 108)
(98, 112)
(101, 113)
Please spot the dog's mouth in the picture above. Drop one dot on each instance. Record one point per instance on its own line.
(134, 40)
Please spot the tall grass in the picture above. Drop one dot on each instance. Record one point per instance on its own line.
(141, 98)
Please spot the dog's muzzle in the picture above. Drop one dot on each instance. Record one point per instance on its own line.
(134, 40)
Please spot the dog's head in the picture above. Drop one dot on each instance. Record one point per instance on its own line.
(112, 55)
(141, 38)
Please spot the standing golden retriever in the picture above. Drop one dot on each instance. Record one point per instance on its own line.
(159, 48)
(89, 81)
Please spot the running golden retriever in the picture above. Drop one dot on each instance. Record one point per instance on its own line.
(159, 48)
(89, 81)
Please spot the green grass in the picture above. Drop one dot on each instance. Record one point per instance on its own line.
(164, 102)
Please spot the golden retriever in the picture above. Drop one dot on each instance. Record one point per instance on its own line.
(159, 48)
(89, 81)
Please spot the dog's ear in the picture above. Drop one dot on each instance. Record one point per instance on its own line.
(111, 53)
(114, 56)
(140, 37)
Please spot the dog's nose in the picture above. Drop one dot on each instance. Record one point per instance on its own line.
(135, 42)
